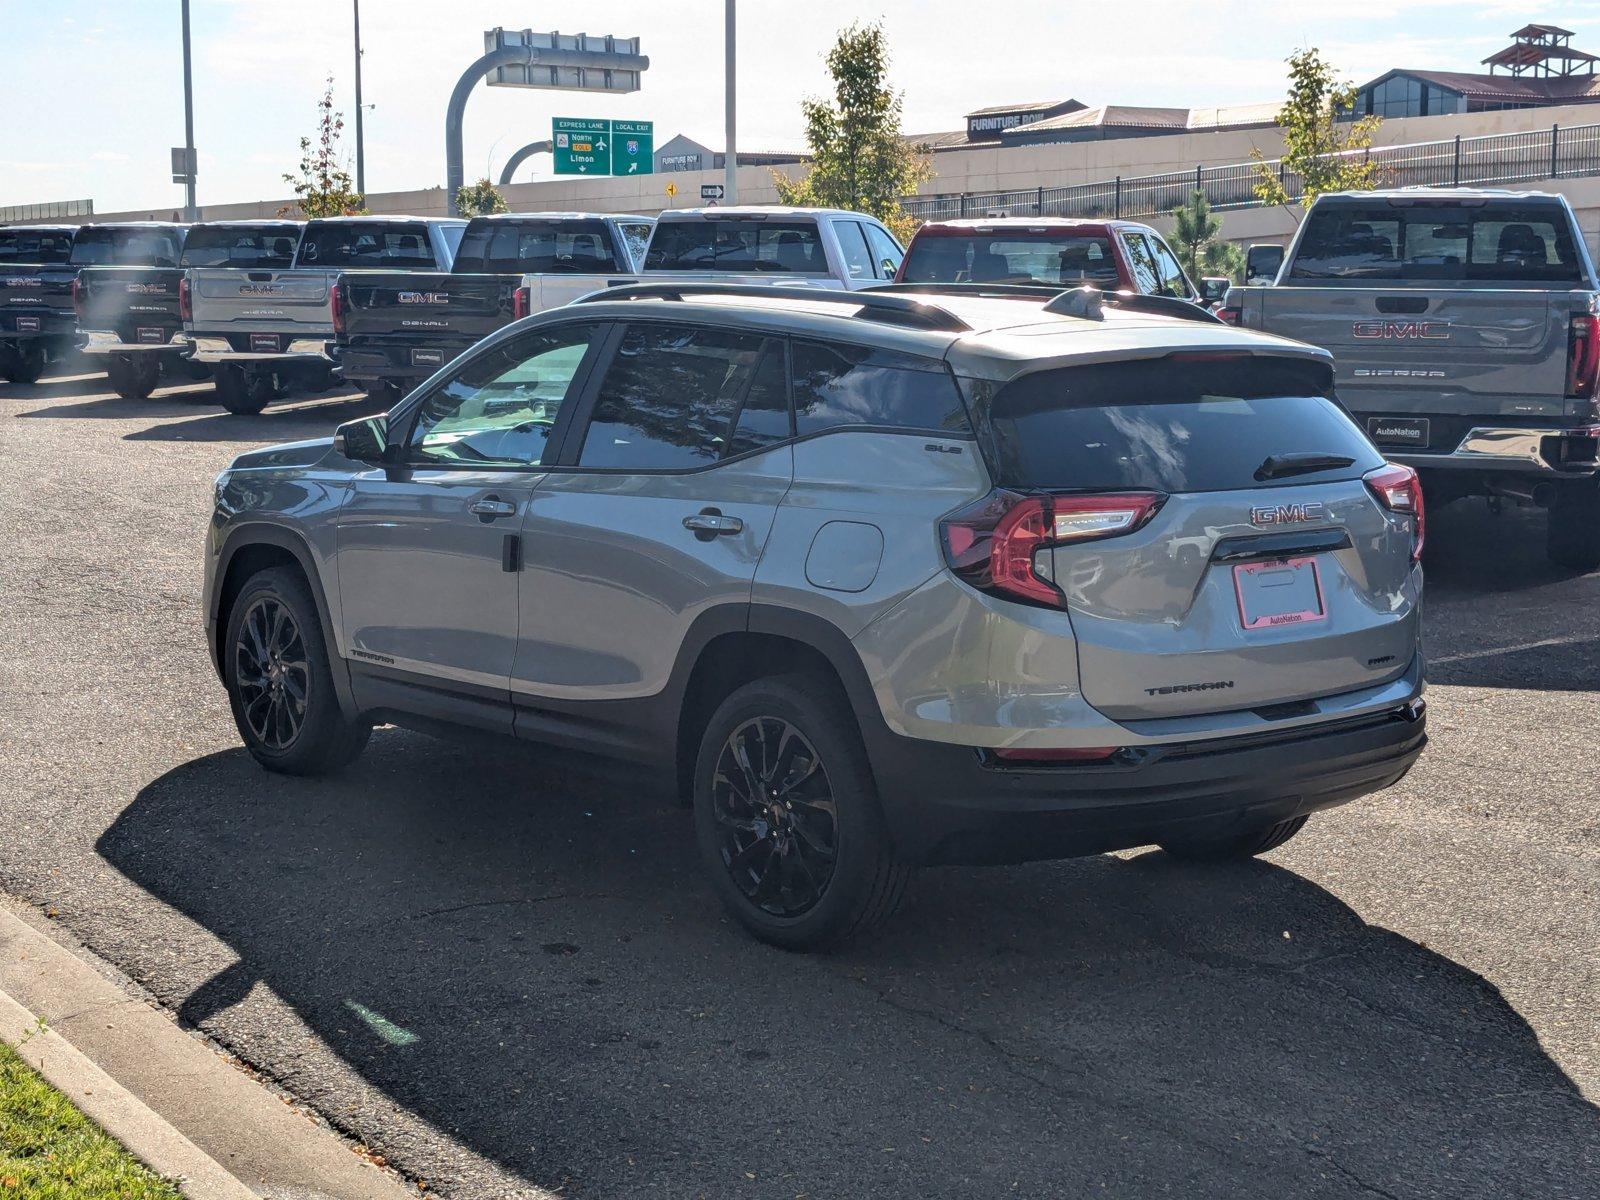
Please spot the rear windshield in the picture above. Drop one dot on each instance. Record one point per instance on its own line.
(537, 247)
(1438, 241)
(111, 246)
(778, 247)
(240, 246)
(1170, 425)
(35, 246)
(379, 245)
(1012, 257)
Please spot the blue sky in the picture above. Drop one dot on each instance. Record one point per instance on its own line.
(93, 88)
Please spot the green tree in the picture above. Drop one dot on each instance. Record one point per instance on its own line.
(1319, 143)
(1194, 240)
(480, 199)
(323, 187)
(859, 160)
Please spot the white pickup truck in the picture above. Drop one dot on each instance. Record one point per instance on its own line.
(794, 247)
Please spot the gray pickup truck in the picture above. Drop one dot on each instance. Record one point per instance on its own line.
(264, 330)
(1466, 329)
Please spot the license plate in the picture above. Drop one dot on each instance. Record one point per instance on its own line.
(427, 358)
(1398, 431)
(27, 324)
(1284, 591)
(267, 342)
(150, 335)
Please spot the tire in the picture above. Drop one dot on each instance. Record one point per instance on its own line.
(133, 377)
(778, 880)
(1248, 844)
(381, 391)
(317, 378)
(244, 392)
(267, 661)
(23, 364)
(1572, 537)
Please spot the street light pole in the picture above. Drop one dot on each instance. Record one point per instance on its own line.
(361, 149)
(730, 160)
(190, 213)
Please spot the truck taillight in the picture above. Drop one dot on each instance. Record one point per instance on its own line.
(521, 303)
(992, 544)
(185, 310)
(336, 305)
(1231, 314)
(1583, 356)
(1399, 489)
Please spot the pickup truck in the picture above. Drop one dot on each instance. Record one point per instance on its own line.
(1466, 328)
(37, 322)
(1112, 255)
(126, 298)
(394, 329)
(262, 330)
(792, 247)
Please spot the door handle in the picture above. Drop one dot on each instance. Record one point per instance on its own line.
(491, 507)
(710, 523)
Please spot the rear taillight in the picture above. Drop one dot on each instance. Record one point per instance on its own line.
(185, 311)
(77, 297)
(993, 544)
(521, 303)
(1399, 489)
(1583, 356)
(336, 305)
(1231, 314)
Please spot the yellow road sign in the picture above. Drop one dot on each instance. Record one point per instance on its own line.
(672, 190)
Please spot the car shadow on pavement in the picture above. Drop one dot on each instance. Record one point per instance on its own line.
(290, 419)
(527, 959)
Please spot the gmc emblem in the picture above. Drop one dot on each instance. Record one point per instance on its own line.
(1433, 331)
(423, 297)
(1286, 514)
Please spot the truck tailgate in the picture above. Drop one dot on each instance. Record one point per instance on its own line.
(407, 304)
(553, 290)
(225, 299)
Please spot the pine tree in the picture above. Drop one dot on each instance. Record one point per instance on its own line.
(1194, 240)
(480, 199)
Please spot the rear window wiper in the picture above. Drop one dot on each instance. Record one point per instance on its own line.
(1277, 466)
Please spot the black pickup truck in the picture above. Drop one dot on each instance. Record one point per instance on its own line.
(394, 329)
(126, 296)
(37, 323)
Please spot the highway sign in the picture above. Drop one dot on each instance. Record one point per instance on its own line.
(633, 148)
(581, 146)
(672, 190)
(582, 62)
(711, 191)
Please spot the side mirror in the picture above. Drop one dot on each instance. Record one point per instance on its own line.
(1213, 288)
(1262, 263)
(365, 441)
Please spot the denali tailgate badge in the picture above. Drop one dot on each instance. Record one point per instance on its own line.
(1286, 514)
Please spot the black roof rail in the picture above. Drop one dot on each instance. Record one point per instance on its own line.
(873, 305)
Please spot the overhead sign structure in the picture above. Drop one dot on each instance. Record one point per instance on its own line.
(590, 146)
(568, 61)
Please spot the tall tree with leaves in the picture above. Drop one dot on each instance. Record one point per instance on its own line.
(1318, 144)
(1194, 240)
(323, 187)
(859, 160)
(480, 199)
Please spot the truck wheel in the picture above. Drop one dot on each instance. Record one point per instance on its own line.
(1572, 538)
(1257, 840)
(381, 391)
(242, 391)
(133, 376)
(317, 378)
(280, 684)
(787, 818)
(23, 364)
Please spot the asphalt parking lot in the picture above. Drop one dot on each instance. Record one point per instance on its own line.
(507, 978)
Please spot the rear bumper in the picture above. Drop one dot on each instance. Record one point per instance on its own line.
(107, 341)
(218, 348)
(1553, 451)
(396, 363)
(30, 326)
(949, 804)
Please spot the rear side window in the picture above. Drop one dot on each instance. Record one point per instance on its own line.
(1437, 241)
(853, 246)
(751, 247)
(669, 398)
(236, 246)
(837, 385)
(1167, 425)
(885, 250)
(29, 246)
(637, 235)
(537, 247)
(1070, 261)
(114, 246)
(377, 245)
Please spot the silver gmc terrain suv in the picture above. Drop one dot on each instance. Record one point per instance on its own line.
(879, 579)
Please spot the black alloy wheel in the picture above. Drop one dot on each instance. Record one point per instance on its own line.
(272, 672)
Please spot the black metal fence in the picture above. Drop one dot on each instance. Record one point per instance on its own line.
(1554, 153)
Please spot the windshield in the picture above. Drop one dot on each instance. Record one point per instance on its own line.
(501, 247)
(1522, 241)
(1012, 257)
(126, 246)
(377, 245)
(240, 246)
(792, 247)
(35, 246)
(1172, 425)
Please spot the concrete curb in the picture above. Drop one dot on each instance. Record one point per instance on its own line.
(118, 1111)
(170, 1098)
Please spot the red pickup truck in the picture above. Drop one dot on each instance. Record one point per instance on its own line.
(1110, 255)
